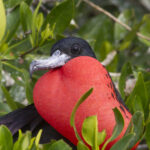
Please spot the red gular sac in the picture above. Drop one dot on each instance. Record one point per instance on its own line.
(56, 93)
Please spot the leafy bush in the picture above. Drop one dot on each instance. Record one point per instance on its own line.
(28, 30)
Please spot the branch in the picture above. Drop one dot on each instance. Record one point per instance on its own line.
(142, 147)
(115, 74)
(100, 9)
(109, 58)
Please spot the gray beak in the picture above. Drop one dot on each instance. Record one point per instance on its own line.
(58, 59)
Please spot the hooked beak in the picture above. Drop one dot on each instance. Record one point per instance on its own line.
(58, 59)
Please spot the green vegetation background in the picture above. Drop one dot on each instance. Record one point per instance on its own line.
(29, 28)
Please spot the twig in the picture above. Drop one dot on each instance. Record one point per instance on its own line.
(100, 9)
(115, 74)
(29, 51)
(79, 2)
(109, 58)
(4, 59)
(142, 147)
(22, 55)
(28, 32)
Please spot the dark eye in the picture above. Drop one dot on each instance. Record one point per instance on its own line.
(75, 49)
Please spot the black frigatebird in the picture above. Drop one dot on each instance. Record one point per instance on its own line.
(64, 54)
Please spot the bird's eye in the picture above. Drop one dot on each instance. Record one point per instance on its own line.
(75, 49)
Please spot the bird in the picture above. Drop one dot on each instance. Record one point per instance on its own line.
(73, 69)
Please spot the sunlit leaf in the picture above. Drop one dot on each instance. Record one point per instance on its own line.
(72, 118)
(81, 146)
(39, 21)
(23, 141)
(37, 139)
(34, 34)
(3, 20)
(6, 140)
(101, 137)
(90, 130)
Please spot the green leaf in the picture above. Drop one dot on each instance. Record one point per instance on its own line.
(1, 67)
(138, 128)
(101, 137)
(61, 20)
(119, 124)
(3, 20)
(138, 104)
(37, 139)
(147, 135)
(119, 31)
(128, 39)
(13, 20)
(140, 95)
(118, 127)
(104, 49)
(72, 118)
(144, 30)
(25, 16)
(47, 145)
(6, 140)
(47, 32)
(98, 31)
(90, 130)
(81, 146)
(123, 143)
(39, 21)
(28, 86)
(9, 99)
(60, 145)
(12, 66)
(113, 65)
(103, 35)
(93, 28)
(34, 34)
(126, 71)
(147, 85)
(20, 47)
(14, 3)
(29, 2)
(23, 141)
(4, 109)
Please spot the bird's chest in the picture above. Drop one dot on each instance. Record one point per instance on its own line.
(56, 93)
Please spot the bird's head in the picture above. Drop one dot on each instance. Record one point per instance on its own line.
(61, 52)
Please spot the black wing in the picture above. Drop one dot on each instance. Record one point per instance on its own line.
(28, 119)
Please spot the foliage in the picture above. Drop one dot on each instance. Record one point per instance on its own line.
(26, 142)
(29, 29)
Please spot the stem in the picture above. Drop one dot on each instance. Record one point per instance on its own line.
(100, 9)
